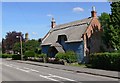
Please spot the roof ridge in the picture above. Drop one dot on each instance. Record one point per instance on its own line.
(72, 22)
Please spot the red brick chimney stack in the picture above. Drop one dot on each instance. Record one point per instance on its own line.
(53, 23)
(93, 12)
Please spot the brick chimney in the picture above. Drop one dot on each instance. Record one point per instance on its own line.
(53, 23)
(93, 12)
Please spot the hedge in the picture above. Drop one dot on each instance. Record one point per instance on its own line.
(69, 56)
(16, 57)
(43, 56)
(29, 54)
(109, 61)
(6, 55)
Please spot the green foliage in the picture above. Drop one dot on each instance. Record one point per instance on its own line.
(111, 26)
(42, 55)
(16, 57)
(29, 54)
(10, 40)
(110, 61)
(16, 47)
(72, 57)
(69, 56)
(104, 20)
(30, 45)
(60, 56)
(38, 50)
(6, 55)
(115, 25)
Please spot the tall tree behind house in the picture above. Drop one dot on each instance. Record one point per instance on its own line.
(115, 25)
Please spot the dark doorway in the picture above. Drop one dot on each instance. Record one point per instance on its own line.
(52, 52)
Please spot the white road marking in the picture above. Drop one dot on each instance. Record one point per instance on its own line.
(8, 65)
(48, 78)
(34, 70)
(22, 69)
(61, 77)
(26, 68)
(16, 67)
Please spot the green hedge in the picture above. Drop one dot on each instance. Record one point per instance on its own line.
(59, 56)
(109, 61)
(69, 56)
(13, 56)
(29, 54)
(6, 55)
(41, 55)
(72, 57)
(16, 57)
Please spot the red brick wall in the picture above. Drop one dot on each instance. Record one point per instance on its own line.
(92, 37)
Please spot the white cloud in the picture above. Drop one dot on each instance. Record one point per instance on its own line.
(34, 33)
(78, 9)
(49, 15)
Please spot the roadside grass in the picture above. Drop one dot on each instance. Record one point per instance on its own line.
(78, 65)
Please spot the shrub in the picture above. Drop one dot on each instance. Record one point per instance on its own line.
(69, 56)
(16, 57)
(29, 54)
(42, 55)
(6, 55)
(110, 61)
(59, 56)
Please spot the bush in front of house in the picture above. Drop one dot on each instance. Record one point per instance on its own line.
(16, 57)
(109, 61)
(29, 54)
(59, 56)
(43, 56)
(69, 56)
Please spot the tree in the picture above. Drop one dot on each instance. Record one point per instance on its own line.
(10, 40)
(111, 26)
(30, 45)
(115, 25)
(104, 20)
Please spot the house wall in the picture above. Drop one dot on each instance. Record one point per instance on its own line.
(93, 33)
(78, 48)
(45, 49)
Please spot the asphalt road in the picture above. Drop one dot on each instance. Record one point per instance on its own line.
(13, 71)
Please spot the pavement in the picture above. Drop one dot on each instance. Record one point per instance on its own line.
(98, 72)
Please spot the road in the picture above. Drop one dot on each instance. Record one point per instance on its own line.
(13, 71)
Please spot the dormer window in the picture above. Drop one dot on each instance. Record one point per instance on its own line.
(62, 38)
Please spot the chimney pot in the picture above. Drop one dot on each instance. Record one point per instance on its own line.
(53, 23)
(93, 12)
